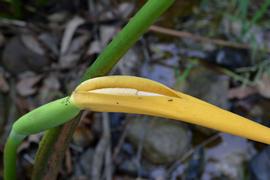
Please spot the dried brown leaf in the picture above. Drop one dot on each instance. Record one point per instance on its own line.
(74, 52)
(32, 44)
(26, 84)
(94, 48)
(106, 34)
(264, 85)
(34, 138)
(241, 92)
(50, 89)
(71, 28)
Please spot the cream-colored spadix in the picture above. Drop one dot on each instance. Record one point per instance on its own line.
(124, 92)
(142, 96)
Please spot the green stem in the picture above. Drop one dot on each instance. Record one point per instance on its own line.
(10, 151)
(102, 66)
(36, 121)
(127, 37)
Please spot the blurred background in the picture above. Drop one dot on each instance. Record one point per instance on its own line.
(215, 50)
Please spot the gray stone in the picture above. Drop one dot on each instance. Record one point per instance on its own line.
(163, 141)
(18, 58)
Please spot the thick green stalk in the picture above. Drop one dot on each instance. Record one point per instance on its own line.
(10, 152)
(36, 121)
(127, 37)
(102, 66)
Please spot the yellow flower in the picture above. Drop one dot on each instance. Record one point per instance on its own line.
(142, 96)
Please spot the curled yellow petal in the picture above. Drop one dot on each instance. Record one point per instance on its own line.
(142, 96)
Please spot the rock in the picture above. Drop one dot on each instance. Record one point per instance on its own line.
(163, 141)
(162, 72)
(260, 164)
(18, 58)
(158, 173)
(230, 58)
(227, 159)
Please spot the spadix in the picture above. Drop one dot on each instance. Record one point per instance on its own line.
(123, 92)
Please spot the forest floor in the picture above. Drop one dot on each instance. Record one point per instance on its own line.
(216, 51)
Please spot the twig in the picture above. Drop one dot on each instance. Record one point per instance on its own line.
(191, 151)
(120, 142)
(140, 149)
(68, 162)
(100, 150)
(108, 154)
(185, 34)
(98, 159)
(7, 22)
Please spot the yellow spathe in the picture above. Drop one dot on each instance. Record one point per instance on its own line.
(143, 96)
